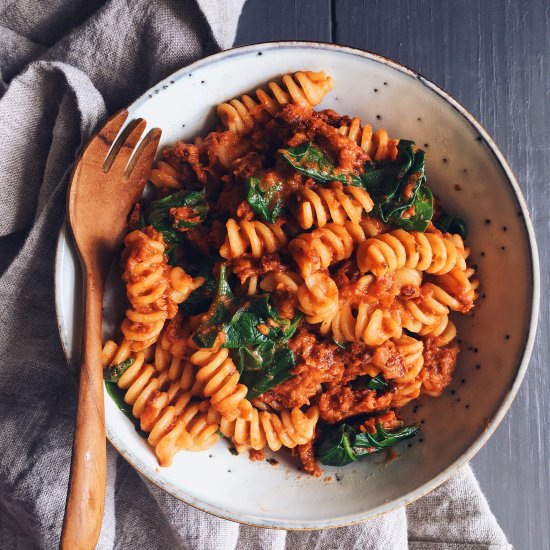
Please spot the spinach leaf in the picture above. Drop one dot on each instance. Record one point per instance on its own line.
(343, 445)
(219, 312)
(252, 322)
(382, 439)
(397, 186)
(200, 299)
(251, 359)
(372, 383)
(277, 361)
(423, 211)
(254, 332)
(335, 449)
(112, 374)
(258, 338)
(180, 211)
(175, 213)
(450, 223)
(256, 335)
(310, 160)
(377, 383)
(269, 324)
(117, 395)
(265, 201)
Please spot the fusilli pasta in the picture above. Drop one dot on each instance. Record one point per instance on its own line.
(316, 207)
(269, 300)
(325, 246)
(252, 238)
(427, 252)
(153, 288)
(306, 89)
(165, 176)
(217, 378)
(162, 403)
(287, 428)
(409, 385)
(378, 145)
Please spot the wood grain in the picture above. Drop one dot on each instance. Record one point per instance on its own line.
(494, 57)
(86, 498)
(104, 186)
(263, 21)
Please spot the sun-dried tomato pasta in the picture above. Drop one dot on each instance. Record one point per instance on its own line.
(289, 285)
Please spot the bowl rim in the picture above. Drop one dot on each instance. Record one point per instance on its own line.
(64, 239)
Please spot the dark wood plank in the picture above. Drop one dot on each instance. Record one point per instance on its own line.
(494, 57)
(266, 20)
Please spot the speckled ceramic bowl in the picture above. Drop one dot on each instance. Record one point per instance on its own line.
(469, 174)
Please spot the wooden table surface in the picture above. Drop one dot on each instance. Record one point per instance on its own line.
(493, 56)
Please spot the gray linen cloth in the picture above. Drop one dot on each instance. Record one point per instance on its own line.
(64, 66)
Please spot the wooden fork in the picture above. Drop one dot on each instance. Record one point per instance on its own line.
(105, 183)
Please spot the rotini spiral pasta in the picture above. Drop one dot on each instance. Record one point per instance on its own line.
(281, 281)
(162, 403)
(283, 286)
(369, 318)
(288, 428)
(306, 89)
(458, 287)
(339, 204)
(325, 246)
(318, 299)
(248, 273)
(165, 176)
(153, 288)
(423, 251)
(251, 237)
(409, 385)
(186, 425)
(425, 310)
(363, 324)
(443, 330)
(378, 145)
(360, 323)
(217, 378)
(428, 313)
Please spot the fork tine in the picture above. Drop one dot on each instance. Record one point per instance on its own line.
(101, 143)
(124, 146)
(140, 164)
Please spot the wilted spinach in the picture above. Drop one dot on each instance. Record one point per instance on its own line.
(200, 299)
(344, 444)
(219, 312)
(255, 333)
(117, 395)
(265, 201)
(112, 374)
(450, 223)
(399, 186)
(193, 202)
(193, 211)
(310, 160)
(422, 211)
(377, 383)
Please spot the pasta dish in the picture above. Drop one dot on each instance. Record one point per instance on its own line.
(289, 284)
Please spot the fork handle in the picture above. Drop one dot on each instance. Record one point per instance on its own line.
(86, 496)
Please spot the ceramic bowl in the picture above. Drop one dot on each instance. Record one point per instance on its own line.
(468, 173)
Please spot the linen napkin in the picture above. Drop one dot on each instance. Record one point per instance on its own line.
(64, 66)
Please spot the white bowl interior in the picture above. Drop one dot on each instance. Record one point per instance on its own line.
(464, 171)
